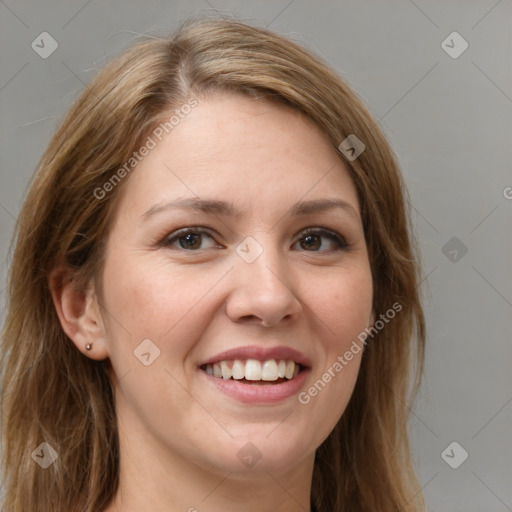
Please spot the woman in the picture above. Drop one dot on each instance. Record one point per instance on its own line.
(213, 301)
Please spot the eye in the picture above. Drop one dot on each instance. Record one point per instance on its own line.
(312, 240)
(321, 240)
(190, 239)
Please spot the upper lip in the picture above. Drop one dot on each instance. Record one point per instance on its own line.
(260, 354)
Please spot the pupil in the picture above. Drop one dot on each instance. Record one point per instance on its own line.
(190, 241)
(311, 242)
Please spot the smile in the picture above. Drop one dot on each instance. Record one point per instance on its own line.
(253, 370)
(257, 375)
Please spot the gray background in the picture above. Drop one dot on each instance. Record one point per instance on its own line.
(449, 121)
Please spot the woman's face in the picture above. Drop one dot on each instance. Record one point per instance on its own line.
(237, 248)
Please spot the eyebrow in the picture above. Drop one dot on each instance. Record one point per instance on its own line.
(225, 208)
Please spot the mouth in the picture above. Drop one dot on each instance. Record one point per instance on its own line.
(253, 371)
(257, 375)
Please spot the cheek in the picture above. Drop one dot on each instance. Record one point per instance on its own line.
(342, 307)
(343, 304)
(156, 301)
(171, 308)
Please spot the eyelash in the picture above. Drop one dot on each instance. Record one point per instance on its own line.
(322, 232)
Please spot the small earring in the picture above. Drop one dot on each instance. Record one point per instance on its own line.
(88, 346)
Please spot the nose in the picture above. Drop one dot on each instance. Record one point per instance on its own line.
(262, 292)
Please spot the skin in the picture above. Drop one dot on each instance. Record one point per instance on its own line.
(179, 435)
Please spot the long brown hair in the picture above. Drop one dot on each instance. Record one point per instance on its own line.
(52, 393)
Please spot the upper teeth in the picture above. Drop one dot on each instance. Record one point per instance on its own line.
(252, 369)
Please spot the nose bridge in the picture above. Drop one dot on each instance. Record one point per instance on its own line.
(263, 272)
(262, 286)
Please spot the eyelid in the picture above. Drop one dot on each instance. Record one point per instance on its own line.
(169, 239)
(328, 233)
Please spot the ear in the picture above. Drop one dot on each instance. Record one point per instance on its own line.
(79, 313)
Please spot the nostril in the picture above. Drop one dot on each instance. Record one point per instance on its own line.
(250, 318)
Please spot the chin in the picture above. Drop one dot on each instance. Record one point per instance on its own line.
(260, 452)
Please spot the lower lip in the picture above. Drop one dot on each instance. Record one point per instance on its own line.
(259, 393)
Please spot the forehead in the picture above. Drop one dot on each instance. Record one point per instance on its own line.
(234, 146)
